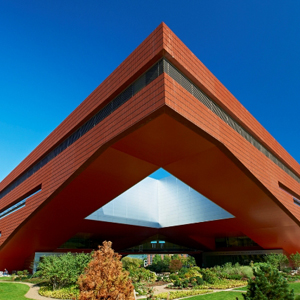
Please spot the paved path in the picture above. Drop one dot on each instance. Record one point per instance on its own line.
(160, 289)
(33, 291)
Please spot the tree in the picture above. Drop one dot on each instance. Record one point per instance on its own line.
(175, 257)
(295, 258)
(160, 265)
(166, 263)
(104, 278)
(188, 261)
(175, 265)
(277, 260)
(64, 269)
(131, 263)
(268, 284)
(156, 259)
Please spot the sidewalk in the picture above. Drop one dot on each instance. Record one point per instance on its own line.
(33, 291)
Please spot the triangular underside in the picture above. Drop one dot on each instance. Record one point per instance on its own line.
(160, 202)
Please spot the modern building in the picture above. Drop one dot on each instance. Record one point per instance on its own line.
(232, 188)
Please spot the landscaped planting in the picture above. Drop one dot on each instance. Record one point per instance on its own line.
(268, 284)
(63, 270)
(59, 278)
(71, 292)
(180, 294)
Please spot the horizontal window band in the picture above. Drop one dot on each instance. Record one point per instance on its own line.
(21, 203)
(162, 66)
(288, 190)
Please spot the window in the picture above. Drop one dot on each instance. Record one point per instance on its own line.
(153, 244)
(295, 196)
(19, 204)
(161, 243)
(296, 201)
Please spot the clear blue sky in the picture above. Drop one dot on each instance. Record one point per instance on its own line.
(54, 53)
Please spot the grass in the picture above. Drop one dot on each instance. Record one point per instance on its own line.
(218, 296)
(243, 288)
(6, 278)
(294, 285)
(15, 291)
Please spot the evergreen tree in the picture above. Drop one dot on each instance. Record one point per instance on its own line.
(295, 258)
(279, 260)
(268, 284)
(104, 278)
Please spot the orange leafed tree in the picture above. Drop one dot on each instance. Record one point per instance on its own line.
(104, 278)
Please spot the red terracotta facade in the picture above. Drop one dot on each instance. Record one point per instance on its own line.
(162, 125)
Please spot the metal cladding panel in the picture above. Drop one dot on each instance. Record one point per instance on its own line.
(160, 203)
(179, 204)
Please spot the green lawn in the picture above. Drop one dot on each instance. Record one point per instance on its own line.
(218, 296)
(13, 291)
(6, 278)
(294, 285)
(243, 288)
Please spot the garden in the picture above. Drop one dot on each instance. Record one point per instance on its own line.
(103, 275)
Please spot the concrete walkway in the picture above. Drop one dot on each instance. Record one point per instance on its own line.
(33, 291)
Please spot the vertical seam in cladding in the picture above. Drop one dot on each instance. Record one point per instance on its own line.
(163, 65)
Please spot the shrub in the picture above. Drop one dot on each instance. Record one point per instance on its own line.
(142, 274)
(246, 271)
(277, 260)
(182, 272)
(180, 294)
(235, 276)
(229, 271)
(193, 281)
(62, 270)
(141, 288)
(71, 292)
(177, 282)
(185, 283)
(104, 277)
(268, 285)
(287, 270)
(174, 277)
(295, 258)
(160, 265)
(209, 276)
(199, 280)
(192, 272)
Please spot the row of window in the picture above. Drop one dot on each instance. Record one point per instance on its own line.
(161, 66)
(290, 192)
(18, 205)
(128, 93)
(217, 110)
